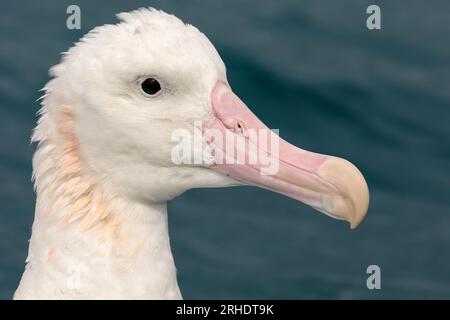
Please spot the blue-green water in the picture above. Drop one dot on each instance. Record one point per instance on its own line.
(313, 70)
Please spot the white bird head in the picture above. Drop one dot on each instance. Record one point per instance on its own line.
(121, 93)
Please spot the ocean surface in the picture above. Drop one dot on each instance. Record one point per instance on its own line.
(312, 69)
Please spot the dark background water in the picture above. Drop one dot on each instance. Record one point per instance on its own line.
(313, 70)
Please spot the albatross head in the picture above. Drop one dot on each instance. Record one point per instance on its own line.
(129, 96)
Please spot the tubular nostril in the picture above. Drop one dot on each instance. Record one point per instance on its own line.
(230, 123)
(235, 126)
(242, 129)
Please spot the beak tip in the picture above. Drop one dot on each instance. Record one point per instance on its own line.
(351, 187)
(355, 223)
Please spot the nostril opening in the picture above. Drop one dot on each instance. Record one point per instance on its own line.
(235, 126)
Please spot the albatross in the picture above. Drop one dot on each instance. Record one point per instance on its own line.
(105, 167)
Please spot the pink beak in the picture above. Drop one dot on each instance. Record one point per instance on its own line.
(329, 184)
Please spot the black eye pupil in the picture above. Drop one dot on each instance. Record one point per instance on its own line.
(151, 86)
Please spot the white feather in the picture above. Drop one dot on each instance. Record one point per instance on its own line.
(102, 168)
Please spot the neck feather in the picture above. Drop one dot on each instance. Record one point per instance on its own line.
(88, 242)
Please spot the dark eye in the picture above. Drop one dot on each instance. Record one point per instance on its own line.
(151, 86)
